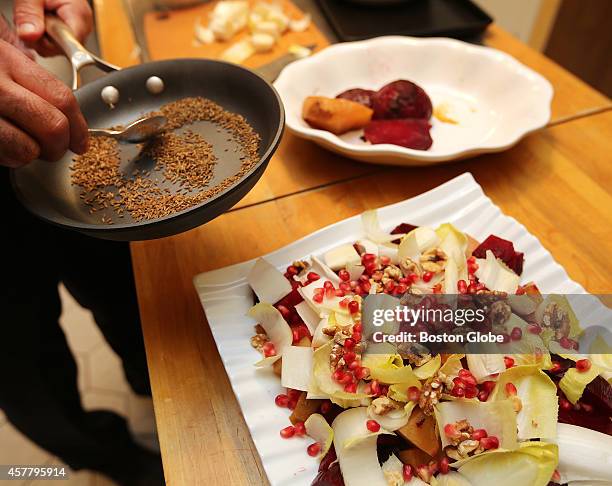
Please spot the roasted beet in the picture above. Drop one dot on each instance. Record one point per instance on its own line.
(502, 249)
(358, 95)
(329, 471)
(410, 133)
(401, 99)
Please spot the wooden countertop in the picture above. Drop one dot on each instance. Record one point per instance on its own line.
(556, 182)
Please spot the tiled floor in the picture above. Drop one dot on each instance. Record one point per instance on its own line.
(102, 386)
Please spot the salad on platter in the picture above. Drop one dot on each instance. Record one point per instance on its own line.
(400, 413)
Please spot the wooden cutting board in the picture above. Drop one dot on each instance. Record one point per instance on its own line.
(171, 34)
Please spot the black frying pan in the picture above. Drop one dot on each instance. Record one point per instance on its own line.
(45, 189)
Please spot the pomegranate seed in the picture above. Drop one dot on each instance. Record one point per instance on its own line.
(458, 392)
(470, 381)
(357, 336)
(300, 428)
(464, 373)
(292, 404)
(427, 276)
(269, 349)
(354, 365)
(488, 443)
(565, 404)
(353, 307)
(483, 396)
(349, 356)
(462, 286)
(313, 449)
(339, 293)
(414, 394)
(350, 388)
(357, 327)
(583, 365)
(338, 375)
(344, 286)
(413, 277)
(328, 285)
(534, 329)
(385, 260)
(363, 279)
(281, 400)
(344, 275)
(369, 269)
(433, 467)
(291, 270)
(375, 387)
(365, 287)
(318, 298)
(516, 334)
(293, 394)
(287, 432)
(330, 293)
(390, 286)
(344, 302)
(347, 379)
(479, 434)
(443, 465)
(373, 425)
(401, 288)
(471, 392)
(556, 367)
(488, 386)
(511, 390)
(285, 312)
(451, 431)
(508, 361)
(349, 343)
(362, 372)
(325, 407)
(312, 276)
(407, 473)
(367, 257)
(565, 342)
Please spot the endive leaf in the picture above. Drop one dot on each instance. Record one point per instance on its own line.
(318, 429)
(574, 382)
(537, 418)
(429, 369)
(533, 464)
(386, 369)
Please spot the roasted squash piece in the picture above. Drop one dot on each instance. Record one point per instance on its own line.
(335, 115)
(277, 367)
(304, 409)
(420, 431)
(415, 457)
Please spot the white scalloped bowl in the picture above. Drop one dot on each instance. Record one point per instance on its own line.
(495, 99)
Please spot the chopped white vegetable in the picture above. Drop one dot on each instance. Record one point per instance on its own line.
(496, 275)
(155, 85)
(267, 282)
(228, 18)
(110, 95)
(341, 256)
(239, 52)
(266, 27)
(323, 270)
(319, 338)
(372, 228)
(296, 367)
(391, 251)
(203, 34)
(355, 270)
(262, 42)
(300, 25)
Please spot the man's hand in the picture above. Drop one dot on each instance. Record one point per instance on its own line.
(39, 115)
(29, 17)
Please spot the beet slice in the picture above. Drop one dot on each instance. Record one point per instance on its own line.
(410, 133)
(401, 99)
(358, 95)
(329, 471)
(502, 249)
(402, 229)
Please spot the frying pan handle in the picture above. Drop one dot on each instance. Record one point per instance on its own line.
(76, 53)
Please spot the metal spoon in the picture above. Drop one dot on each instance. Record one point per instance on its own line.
(137, 132)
